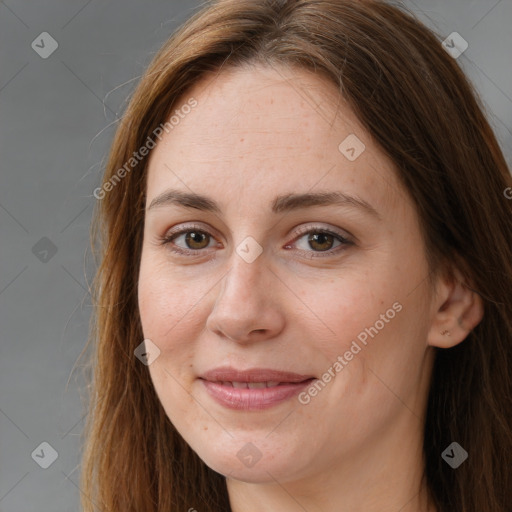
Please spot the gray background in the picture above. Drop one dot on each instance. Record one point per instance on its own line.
(57, 119)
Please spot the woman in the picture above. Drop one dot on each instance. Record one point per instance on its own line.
(303, 301)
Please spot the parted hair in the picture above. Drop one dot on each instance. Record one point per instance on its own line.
(417, 104)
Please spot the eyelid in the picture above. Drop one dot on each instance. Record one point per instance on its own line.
(312, 227)
(183, 228)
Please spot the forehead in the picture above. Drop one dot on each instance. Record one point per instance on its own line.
(258, 131)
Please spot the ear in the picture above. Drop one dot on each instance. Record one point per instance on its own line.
(457, 310)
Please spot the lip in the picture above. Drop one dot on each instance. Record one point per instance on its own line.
(217, 383)
(229, 374)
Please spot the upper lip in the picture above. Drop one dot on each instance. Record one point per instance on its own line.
(229, 374)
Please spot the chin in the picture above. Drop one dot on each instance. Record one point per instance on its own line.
(245, 462)
(258, 474)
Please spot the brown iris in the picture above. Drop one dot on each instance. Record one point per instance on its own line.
(319, 240)
(196, 237)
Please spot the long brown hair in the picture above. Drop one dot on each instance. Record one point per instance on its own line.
(415, 101)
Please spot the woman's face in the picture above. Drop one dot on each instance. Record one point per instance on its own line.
(291, 247)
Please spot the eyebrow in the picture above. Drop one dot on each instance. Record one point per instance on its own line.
(283, 203)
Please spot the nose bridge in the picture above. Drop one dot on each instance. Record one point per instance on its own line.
(244, 278)
(242, 303)
(247, 262)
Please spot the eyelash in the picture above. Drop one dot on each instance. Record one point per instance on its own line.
(344, 242)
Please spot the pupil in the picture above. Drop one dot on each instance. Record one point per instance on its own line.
(194, 237)
(321, 239)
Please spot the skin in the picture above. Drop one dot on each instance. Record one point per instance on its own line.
(258, 132)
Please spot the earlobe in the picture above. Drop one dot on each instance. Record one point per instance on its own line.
(459, 310)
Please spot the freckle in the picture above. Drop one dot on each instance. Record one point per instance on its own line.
(241, 140)
(205, 428)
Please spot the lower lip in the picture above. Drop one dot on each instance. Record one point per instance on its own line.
(253, 399)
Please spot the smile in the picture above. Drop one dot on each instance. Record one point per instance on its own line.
(254, 389)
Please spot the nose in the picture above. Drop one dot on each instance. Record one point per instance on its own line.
(248, 307)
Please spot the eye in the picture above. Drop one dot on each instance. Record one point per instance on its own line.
(191, 240)
(321, 240)
(188, 241)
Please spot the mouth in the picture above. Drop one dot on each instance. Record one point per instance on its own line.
(254, 385)
(253, 389)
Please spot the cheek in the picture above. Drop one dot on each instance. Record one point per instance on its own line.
(168, 305)
(167, 318)
(346, 307)
(369, 327)
(173, 391)
(380, 332)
